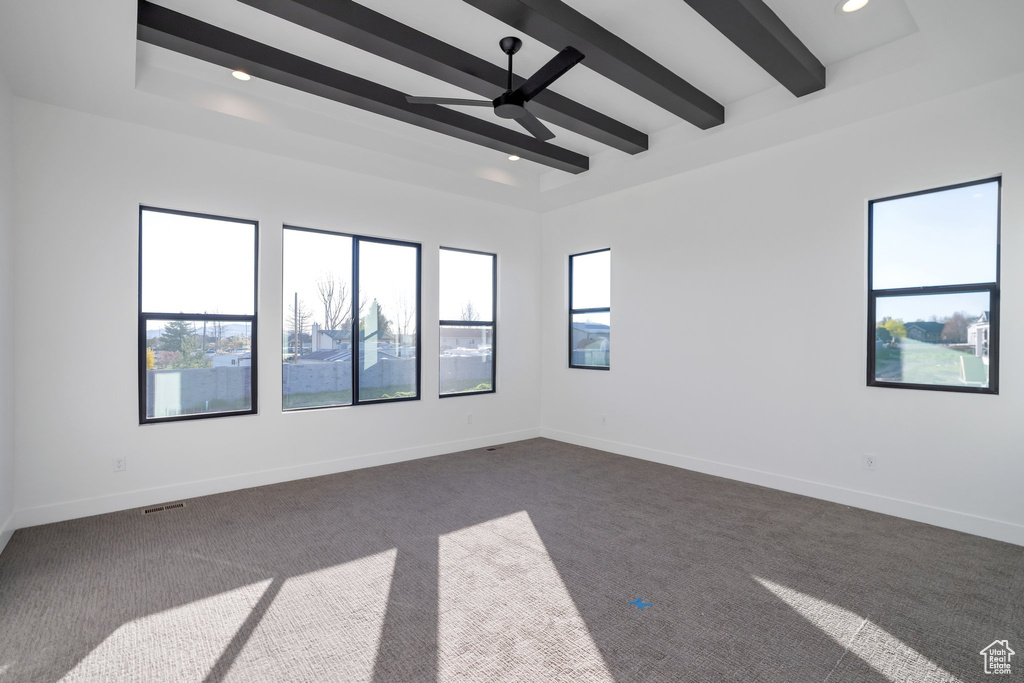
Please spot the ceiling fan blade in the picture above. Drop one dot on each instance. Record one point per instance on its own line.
(533, 125)
(448, 100)
(550, 72)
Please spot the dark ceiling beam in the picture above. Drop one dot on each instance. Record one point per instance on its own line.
(180, 33)
(377, 34)
(557, 25)
(758, 31)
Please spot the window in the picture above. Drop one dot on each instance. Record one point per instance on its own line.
(933, 289)
(351, 320)
(590, 309)
(468, 300)
(197, 315)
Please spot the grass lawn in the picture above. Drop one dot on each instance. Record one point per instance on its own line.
(919, 363)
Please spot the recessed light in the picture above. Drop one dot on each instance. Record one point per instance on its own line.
(847, 6)
(513, 157)
(241, 75)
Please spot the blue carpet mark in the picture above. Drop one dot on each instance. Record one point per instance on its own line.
(640, 604)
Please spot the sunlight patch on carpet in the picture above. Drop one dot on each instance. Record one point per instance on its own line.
(504, 611)
(326, 620)
(879, 649)
(182, 642)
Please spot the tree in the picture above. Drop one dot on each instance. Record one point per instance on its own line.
(150, 359)
(383, 324)
(404, 314)
(217, 331)
(469, 312)
(298, 323)
(334, 297)
(955, 329)
(896, 327)
(191, 354)
(175, 333)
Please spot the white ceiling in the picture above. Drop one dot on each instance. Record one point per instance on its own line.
(894, 53)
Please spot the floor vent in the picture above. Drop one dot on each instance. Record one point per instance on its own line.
(161, 508)
(495, 448)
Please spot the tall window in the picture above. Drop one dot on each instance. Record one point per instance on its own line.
(933, 289)
(351, 320)
(590, 297)
(197, 315)
(468, 300)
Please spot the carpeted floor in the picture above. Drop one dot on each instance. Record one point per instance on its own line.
(515, 564)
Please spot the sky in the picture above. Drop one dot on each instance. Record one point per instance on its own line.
(939, 238)
(466, 278)
(591, 280)
(387, 272)
(205, 265)
(197, 265)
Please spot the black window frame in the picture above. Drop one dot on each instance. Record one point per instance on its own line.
(993, 289)
(492, 323)
(146, 316)
(356, 240)
(574, 311)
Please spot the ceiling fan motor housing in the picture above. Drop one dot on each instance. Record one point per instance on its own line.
(510, 105)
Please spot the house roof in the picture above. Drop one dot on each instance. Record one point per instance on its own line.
(337, 334)
(927, 326)
(591, 327)
(326, 355)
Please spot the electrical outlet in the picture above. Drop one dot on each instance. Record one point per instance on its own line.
(120, 464)
(870, 461)
(469, 418)
(604, 419)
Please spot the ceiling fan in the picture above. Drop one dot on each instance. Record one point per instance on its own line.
(512, 103)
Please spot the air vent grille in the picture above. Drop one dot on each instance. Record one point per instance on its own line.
(161, 508)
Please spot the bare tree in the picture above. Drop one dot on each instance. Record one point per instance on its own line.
(469, 312)
(217, 331)
(298, 321)
(404, 314)
(955, 329)
(334, 297)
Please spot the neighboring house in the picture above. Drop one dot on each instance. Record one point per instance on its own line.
(925, 331)
(326, 356)
(289, 342)
(590, 335)
(977, 335)
(331, 340)
(466, 338)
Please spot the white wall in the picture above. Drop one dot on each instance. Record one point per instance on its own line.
(81, 179)
(739, 312)
(6, 312)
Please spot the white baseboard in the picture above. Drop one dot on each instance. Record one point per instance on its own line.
(6, 531)
(86, 507)
(918, 512)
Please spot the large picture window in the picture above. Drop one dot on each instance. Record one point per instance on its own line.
(468, 301)
(351, 320)
(197, 315)
(590, 296)
(933, 289)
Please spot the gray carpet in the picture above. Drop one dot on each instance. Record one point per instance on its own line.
(516, 564)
